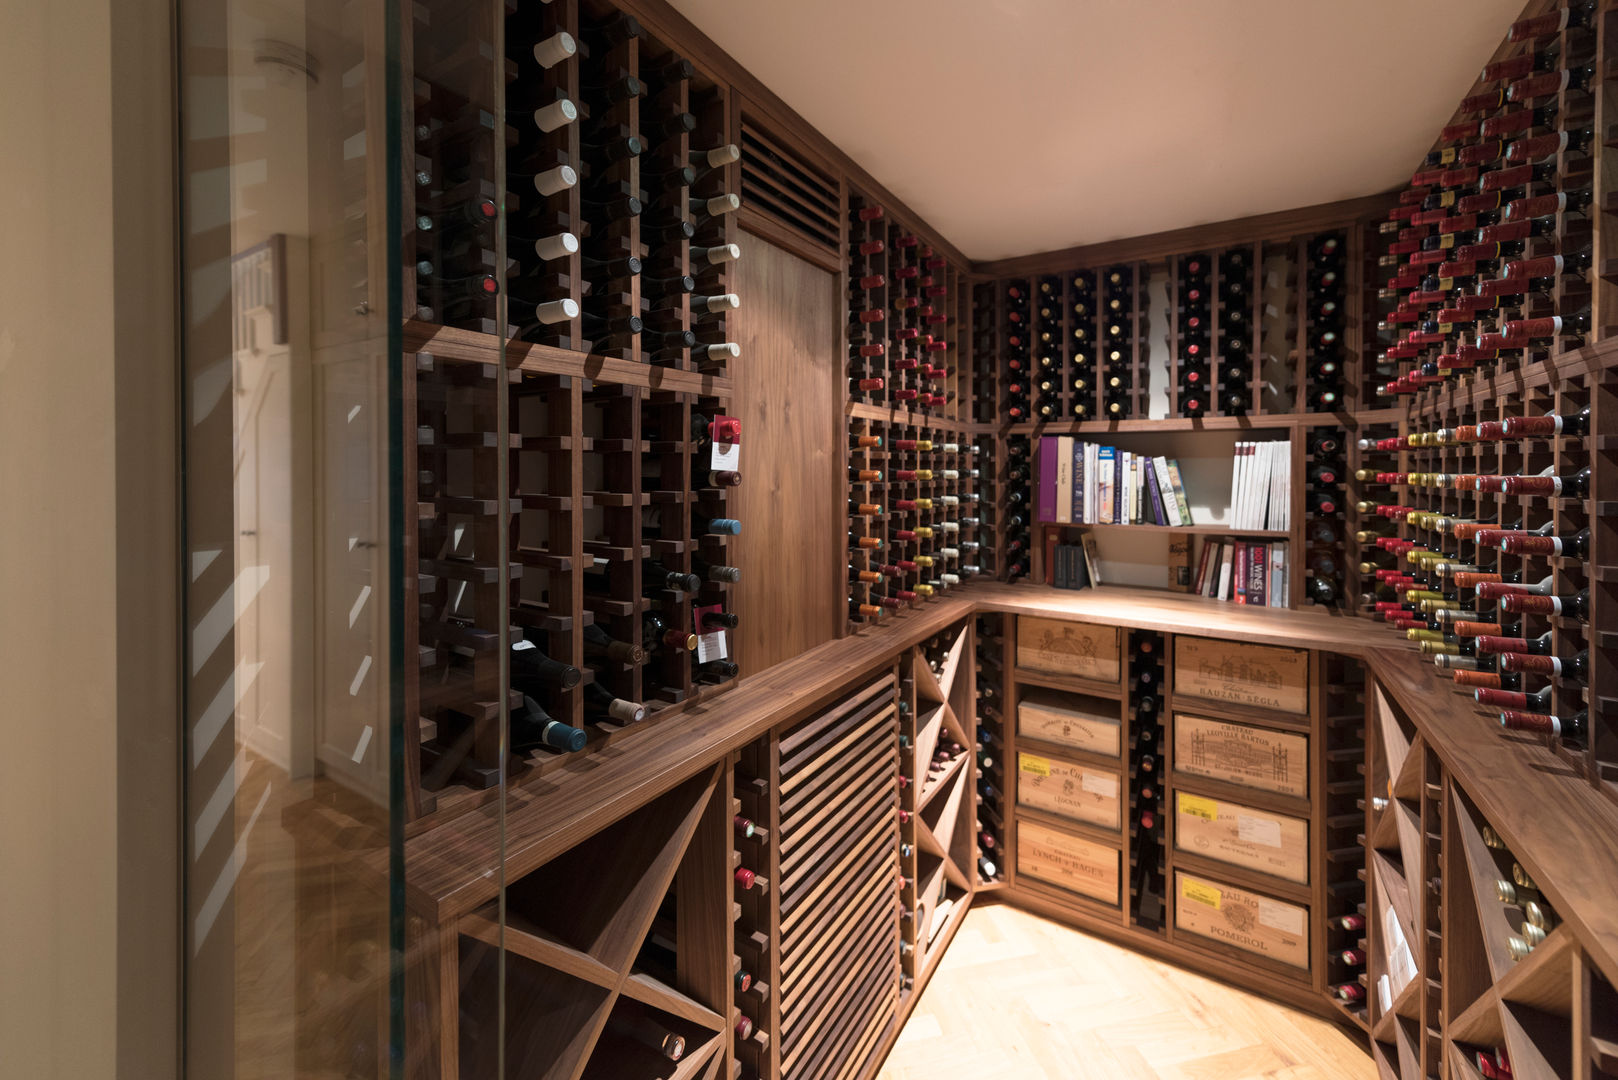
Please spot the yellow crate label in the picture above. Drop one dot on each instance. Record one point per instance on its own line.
(1202, 894)
(1196, 806)
(1039, 766)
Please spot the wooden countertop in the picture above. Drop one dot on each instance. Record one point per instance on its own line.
(1524, 789)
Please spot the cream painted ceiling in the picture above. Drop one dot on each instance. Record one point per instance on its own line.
(1016, 126)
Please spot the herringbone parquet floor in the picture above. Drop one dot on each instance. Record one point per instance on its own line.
(1018, 997)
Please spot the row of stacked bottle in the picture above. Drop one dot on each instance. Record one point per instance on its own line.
(1146, 838)
(612, 165)
(1488, 502)
(990, 826)
(903, 349)
(915, 522)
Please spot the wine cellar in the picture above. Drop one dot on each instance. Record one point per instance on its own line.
(702, 600)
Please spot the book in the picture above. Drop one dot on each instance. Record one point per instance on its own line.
(1106, 463)
(1201, 583)
(1052, 537)
(1237, 455)
(1180, 562)
(1238, 574)
(1078, 481)
(1064, 479)
(1227, 557)
(1091, 483)
(1154, 495)
(1277, 573)
(1258, 573)
(1045, 499)
(1171, 509)
(1092, 560)
(1179, 492)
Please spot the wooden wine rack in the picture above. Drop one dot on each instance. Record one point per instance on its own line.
(542, 455)
(535, 458)
(1443, 984)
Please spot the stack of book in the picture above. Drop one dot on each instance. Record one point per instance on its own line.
(1261, 486)
(1082, 483)
(1244, 571)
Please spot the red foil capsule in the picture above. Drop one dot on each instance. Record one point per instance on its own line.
(1456, 268)
(1456, 132)
(1491, 431)
(1489, 643)
(1501, 699)
(910, 333)
(1524, 544)
(1485, 102)
(1477, 678)
(1475, 253)
(1530, 663)
(1547, 266)
(1506, 232)
(1552, 22)
(1506, 179)
(1482, 203)
(1401, 213)
(1515, 68)
(1511, 285)
(1531, 604)
(1533, 329)
(1536, 207)
(1466, 174)
(1532, 427)
(1510, 123)
(1545, 84)
(910, 395)
(1517, 720)
(870, 213)
(871, 350)
(1482, 153)
(1537, 147)
(1426, 178)
(872, 247)
(874, 315)
(870, 281)
(869, 384)
(1409, 197)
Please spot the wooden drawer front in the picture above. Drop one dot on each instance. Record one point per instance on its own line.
(1077, 720)
(1242, 919)
(1071, 862)
(1242, 836)
(1080, 792)
(1242, 754)
(1067, 648)
(1262, 676)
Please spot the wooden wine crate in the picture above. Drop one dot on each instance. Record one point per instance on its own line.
(1263, 676)
(1071, 862)
(1077, 720)
(1242, 919)
(1065, 648)
(1242, 836)
(1242, 754)
(1080, 792)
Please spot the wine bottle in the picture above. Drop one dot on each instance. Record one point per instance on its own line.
(601, 704)
(528, 662)
(533, 728)
(598, 645)
(1570, 729)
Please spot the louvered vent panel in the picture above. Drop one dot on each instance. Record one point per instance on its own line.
(779, 184)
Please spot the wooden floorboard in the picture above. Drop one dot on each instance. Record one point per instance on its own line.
(1020, 997)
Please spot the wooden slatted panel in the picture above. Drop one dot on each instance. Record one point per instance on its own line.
(838, 892)
(780, 184)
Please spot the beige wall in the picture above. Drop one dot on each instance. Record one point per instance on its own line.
(87, 594)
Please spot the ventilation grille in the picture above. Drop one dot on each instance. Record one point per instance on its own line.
(778, 184)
